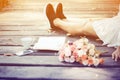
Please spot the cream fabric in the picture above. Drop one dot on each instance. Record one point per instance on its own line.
(108, 30)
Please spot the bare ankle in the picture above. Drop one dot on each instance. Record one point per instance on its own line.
(56, 21)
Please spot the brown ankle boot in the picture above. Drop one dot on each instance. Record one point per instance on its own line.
(50, 13)
(59, 11)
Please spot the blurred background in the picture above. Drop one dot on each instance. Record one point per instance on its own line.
(27, 17)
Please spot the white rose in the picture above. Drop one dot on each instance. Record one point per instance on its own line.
(85, 48)
(67, 59)
(92, 46)
(96, 62)
(85, 40)
(85, 62)
(79, 45)
(67, 51)
(72, 59)
(91, 52)
(96, 55)
(81, 40)
(88, 46)
(81, 52)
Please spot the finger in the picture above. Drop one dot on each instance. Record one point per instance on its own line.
(116, 57)
(113, 56)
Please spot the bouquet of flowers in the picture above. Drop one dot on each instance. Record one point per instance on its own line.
(81, 51)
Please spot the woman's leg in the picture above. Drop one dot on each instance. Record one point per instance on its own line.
(82, 27)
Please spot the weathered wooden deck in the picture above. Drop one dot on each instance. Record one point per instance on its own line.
(45, 65)
(28, 19)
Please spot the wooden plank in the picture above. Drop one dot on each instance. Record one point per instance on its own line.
(106, 52)
(49, 61)
(13, 42)
(89, 16)
(58, 73)
(93, 12)
(89, 5)
(16, 40)
(29, 33)
(23, 27)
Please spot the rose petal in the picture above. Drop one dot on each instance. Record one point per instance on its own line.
(85, 62)
(91, 52)
(67, 51)
(72, 59)
(85, 40)
(67, 59)
(90, 61)
(60, 58)
(84, 57)
(96, 62)
(81, 52)
(101, 60)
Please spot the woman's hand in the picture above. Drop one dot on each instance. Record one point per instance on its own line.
(116, 54)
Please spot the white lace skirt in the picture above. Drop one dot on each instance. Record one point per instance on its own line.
(108, 30)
